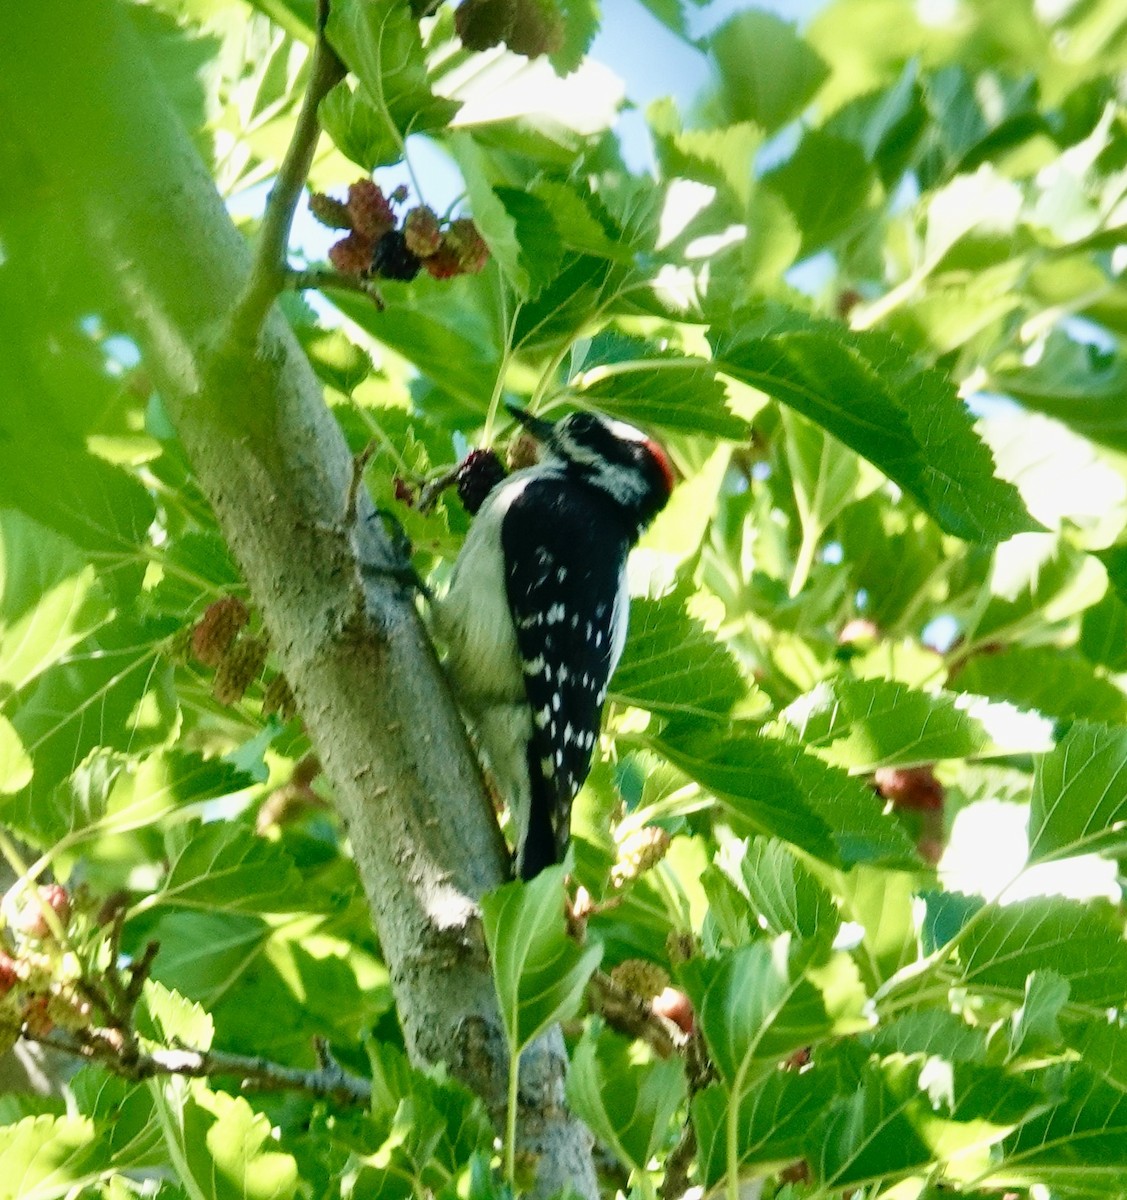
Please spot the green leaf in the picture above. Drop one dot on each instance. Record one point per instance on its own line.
(441, 332)
(674, 392)
(44, 1157)
(382, 47)
(518, 226)
(51, 598)
(882, 903)
(765, 786)
(931, 1031)
(826, 477)
(539, 972)
(767, 72)
(672, 665)
(722, 157)
(905, 419)
(772, 1121)
(1083, 943)
(15, 765)
(91, 699)
(1081, 1141)
(48, 1157)
(225, 1152)
(1058, 683)
(629, 1105)
(1036, 1026)
(757, 1010)
(95, 504)
(898, 1119)
(865, 723)
(1079, 803)
(784, 892)
(226, 866)
(826, 184)
(1103, 632)
(1075, 382)
(167, 1017)
(1034, 579)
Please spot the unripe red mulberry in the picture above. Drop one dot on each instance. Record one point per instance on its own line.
(332, 213)
(368, 207)
(641, 977)
(352, 255)
(641, 852)
(421, 232)
(910, 787)
(9, 973)
(31, 920)
(217, 629)
(478, 475)
(444, 263)
(240, 667)
(468, 244)
(675, 1006)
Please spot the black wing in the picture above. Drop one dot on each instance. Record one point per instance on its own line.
(566, 549)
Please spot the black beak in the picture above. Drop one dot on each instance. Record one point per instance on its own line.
(540, 429)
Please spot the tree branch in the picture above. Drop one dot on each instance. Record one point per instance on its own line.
(268, 273)
(329, 1080)
(271, 459)
(323, 279)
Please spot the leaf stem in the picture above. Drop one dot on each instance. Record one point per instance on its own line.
(268, 270)
(511, 1119)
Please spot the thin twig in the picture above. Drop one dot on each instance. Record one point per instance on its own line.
(323, 279)
(631, 1014)
(268, 270)
(359, 466)
(329, 1080)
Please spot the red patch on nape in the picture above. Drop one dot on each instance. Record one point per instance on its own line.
(662, 460)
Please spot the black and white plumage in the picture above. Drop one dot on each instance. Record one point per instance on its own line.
(535, 615)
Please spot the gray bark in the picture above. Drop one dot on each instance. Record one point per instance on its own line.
(267, 453)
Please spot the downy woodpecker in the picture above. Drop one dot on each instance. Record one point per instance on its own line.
(535, 615)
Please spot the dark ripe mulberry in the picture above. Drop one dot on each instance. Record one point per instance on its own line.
(369, 210)
(331, 212)
(478, 475)
(240, 667)
(217, 629)
(394, 259)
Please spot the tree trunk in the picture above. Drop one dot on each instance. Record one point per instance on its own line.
(78, 93)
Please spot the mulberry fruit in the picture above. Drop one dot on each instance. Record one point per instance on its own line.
(332, 213)
(394, 259)
(217, 629)
(478, 475)
(240, 667)
(421, 232)
(370, 212)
